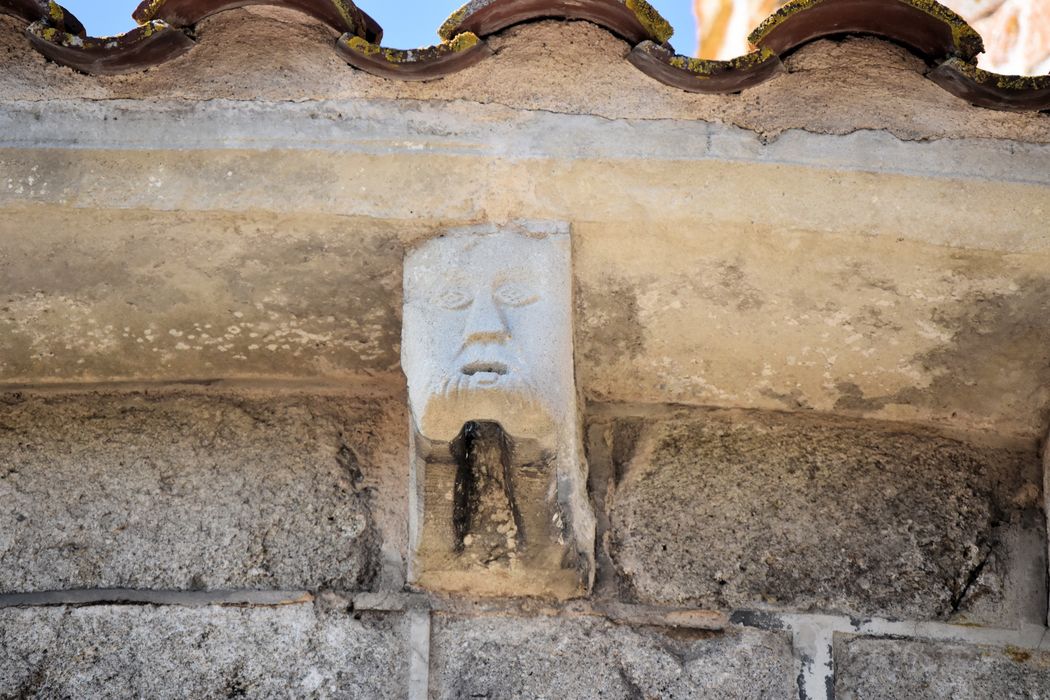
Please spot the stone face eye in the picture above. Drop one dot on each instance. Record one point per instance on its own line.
(515, 294)
(453, 298)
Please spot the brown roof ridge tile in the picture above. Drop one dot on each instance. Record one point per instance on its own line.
(143, 47)
(632, 20)
(925, 26)
(660, 62)
(37, 10)
(428, 63)
(341, 15)
(993, 90)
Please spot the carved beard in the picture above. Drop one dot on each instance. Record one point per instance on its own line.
(512, 401)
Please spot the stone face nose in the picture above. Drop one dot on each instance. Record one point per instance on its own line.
(485, 322)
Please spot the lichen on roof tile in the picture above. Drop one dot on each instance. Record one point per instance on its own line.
(925, 26)
(341, 15)
(634, 20)
(993, 90)
(429, 63)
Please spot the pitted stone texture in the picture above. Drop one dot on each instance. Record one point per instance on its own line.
(503, 657)
(212, 490)
(733, 509)
(895, 669)
(172, 652)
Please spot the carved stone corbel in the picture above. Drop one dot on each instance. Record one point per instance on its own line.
(498, 497)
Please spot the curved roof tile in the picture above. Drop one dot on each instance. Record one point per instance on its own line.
(141, 48)
(633, 20)
(416, 64)
(931, 30)
(34, 10)
(926, 27)
(341, 15)
(985, 89)
(701, 75)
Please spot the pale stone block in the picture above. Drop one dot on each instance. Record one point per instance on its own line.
(547, 657)
(173, 652)
(898, 669)
(734, 509)
(190, 490)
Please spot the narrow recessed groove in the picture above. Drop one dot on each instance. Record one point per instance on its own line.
(125, 596)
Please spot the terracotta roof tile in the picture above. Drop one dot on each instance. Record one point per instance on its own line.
(341, 15)
(979, 87)
(926, 27)
(33, 10)
(946, 43)
(632, 20)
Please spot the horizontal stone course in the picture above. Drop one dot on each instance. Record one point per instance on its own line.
(548, 657)
(190, 490)
(895, 669)
(730, 510)
(174, 652)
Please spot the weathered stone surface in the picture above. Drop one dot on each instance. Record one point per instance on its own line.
(172, 652)
(895, 669)
(207, 489)
(504, 657)
(572, 67)
(729, 509)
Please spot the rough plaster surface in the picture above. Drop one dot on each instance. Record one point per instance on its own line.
(896, 669)
(504, 657)
(128, 295)
(183, 490)
(576, 67)
(171, 652)
(739, 509)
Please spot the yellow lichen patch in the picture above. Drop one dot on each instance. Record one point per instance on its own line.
(658, 28)
(55, 13)
(1003, 82)
(149, 11)
(705, 68)
(362, 46)
(463, 42)
(450, 25)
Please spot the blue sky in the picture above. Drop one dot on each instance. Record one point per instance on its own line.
(406, 23)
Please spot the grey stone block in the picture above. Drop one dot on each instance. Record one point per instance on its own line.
(187, 491)
(173, 652)
(552, 657)
(733, 509)
(893, 669)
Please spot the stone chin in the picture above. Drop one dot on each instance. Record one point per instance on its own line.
(519, 413)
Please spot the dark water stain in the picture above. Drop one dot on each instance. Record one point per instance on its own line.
(1000, 344)
(620, 333)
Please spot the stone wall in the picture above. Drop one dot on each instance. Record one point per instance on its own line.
(810, 327)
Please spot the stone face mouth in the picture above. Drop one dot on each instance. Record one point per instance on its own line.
(472, 368)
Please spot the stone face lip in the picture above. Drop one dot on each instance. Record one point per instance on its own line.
(737, 510)
(927, 28)
(172, 652)
(183, 491)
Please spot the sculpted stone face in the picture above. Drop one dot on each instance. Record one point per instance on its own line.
(487, 333)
